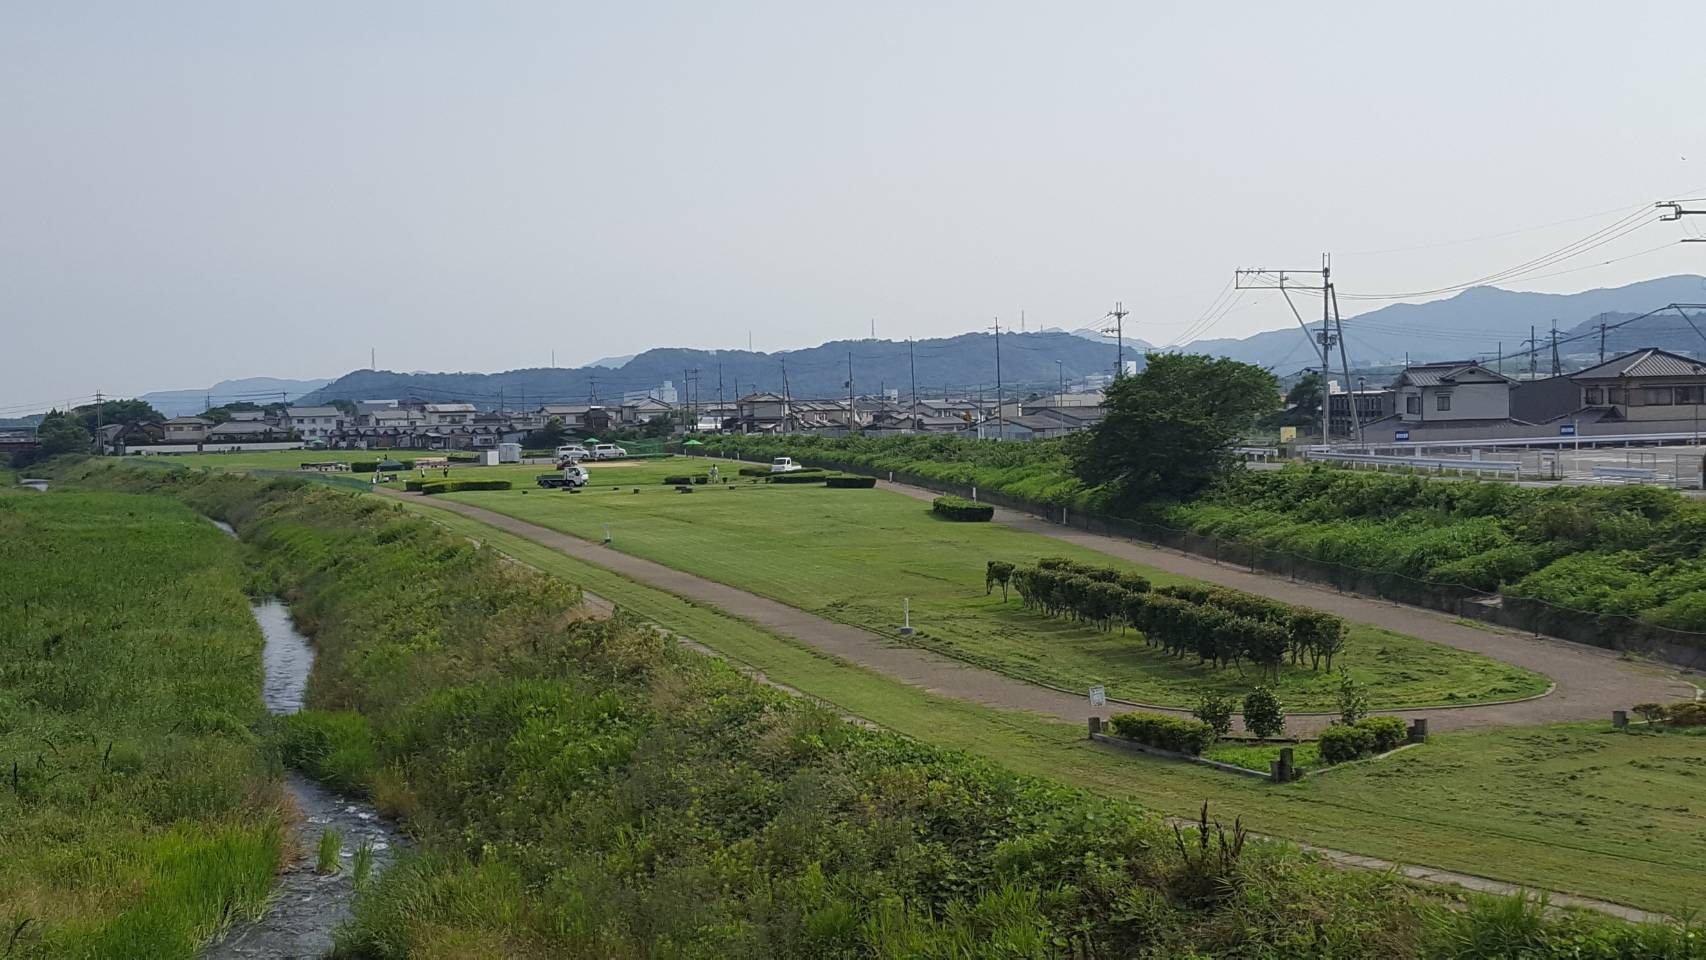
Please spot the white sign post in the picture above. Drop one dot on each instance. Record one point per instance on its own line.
(1098, 696)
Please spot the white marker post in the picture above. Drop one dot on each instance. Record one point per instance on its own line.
(607, 533)
(906, 616)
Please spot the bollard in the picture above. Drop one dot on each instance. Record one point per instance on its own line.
(1419, 730)
(1095, 725)
(1286, 764)
(1276, 771)
(1620, 719)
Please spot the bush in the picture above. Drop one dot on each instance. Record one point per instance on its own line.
(1390, 733)
(1341, 743)
(1353, 702)
(851, 483)
(1166, 732)
(754, 471)
(959, 508)
(1264, 715)
(682, 480)
(799, 476)
(1216, 711)
(1687, 714)
(452, 486)
(1651, 712)
(416, 485)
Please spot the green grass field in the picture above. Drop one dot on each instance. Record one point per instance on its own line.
(852, 555)
(138, 814)
(1576, 808)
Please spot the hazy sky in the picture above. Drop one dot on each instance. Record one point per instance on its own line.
(198, 191)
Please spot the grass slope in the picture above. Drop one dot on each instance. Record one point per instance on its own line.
(138, 815)
(1503, 804)
(852, 555)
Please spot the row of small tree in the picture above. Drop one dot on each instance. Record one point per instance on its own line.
(1218, 626)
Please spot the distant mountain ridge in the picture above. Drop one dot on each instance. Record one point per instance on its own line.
(962, 363)
(185, 403)
(1476, 321)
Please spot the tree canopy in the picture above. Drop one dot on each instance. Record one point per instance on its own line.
(1170, 429)
(114, 411)
(548, 437)
(1302, 405)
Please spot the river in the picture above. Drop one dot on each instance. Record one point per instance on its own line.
(307, 906)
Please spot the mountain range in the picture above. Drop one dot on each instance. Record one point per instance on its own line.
(183, 403)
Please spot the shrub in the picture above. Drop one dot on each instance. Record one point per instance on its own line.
(452, 486)
(1216, 711)
(754, 471)
(1166, 732)
(1353, 702)
(799, 476)
(415, 485)
(1687, 714)
(678, 481)
(1651, 712)
(1264, 715)
(851, 483)
(997, 572)
(959, 508)
(1390, 733)
(1341, 743)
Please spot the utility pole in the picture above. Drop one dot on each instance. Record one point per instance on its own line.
(1266, 279)
(787, 395)
(1060, 375)
(1602, 339)
(100, 408)
(912, 366)
(592, 391)
(849, 391)
(1533, 355)
(1000, 417)
(720, 409)
(1119, 314)
(1501, 361)
(1556, 367)
(372, 359)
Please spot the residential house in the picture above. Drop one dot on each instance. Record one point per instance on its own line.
(1645, 385)
(642, 409)
(246, 431)
(321, 423)
(449, 414)
(187, 429)
(1456, 391)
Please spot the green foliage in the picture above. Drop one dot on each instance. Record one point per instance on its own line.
(1390, 733)
(372, 466)
(1353, 700)
(1519, 926)
(137, 810)
(327, 853)
(549, 437)
(1344, 742)
(1169, 431)
(361, 867)
(1216, 711)
(90, 415)
(1165, 731)
(797, 476)
(851, 483)
(959, 508)
(455, 486)
(1264, 715)
(61, 433)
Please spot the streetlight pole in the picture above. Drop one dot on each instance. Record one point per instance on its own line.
(1060, 372)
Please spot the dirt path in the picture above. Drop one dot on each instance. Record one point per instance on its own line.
(1591, 682)
(1617, 685)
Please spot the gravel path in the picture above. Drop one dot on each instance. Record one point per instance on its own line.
(1590, 682)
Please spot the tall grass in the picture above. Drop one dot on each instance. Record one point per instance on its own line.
(137, 809)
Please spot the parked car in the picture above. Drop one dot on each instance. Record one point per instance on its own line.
(607, 451)
(783, 465)
(572, 452)
(572, 477)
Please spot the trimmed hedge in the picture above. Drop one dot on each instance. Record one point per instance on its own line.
(851, 483)
(416, 485)
(959, 508)
(1343, 742)
(369, 466)
(681, 480)
(799, 476)
(453, 486)
(1177, 734)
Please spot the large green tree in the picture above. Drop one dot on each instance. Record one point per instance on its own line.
(62, 433)
(548, 437)
(1302, 405)
(1170, 430)
(115, 411)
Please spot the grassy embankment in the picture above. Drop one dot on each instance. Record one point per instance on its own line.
(1577, 808)
(851, 555)
(139, 814)
(585, 787)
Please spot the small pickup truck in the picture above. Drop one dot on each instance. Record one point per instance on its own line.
(572, 477)
(783, 465)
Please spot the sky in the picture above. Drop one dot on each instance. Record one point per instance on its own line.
(201, 191)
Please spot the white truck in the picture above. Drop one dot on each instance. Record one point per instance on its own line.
(572, 477)
(783, 465)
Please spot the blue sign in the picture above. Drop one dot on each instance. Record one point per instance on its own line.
(1399, 436)
(1566, 429)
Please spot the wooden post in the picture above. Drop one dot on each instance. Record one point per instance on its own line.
(1418, 730)
(1286, 764)
(1620, 719)
(1095, 725)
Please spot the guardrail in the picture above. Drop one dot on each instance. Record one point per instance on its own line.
(1628, 473)
(1510, 468)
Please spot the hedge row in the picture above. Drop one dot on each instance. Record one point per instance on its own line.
(799, 476)
(1226, 627)
(370, 466)
(682, 480)
(452, 486)
(851, 483)
(1166, 732)
(1348, 741)
(959, 508)
(1689, 713)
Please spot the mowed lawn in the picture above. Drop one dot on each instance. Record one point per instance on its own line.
(1578, 808)
(854, 555)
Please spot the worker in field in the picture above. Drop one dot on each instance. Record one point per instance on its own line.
(713, 473)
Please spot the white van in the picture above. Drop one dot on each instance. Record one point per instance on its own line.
(607, 451)
(572, 452)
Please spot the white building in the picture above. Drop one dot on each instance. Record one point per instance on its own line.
(1456, 391)
(449, 414)
(315, 423)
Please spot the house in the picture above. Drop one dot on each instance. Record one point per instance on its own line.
(643, 409)
(448, 414)
(246, 431)
(1456, 391)
(1349, 409)
(761, 413)
(187, 429)
(315, 422)
(1644, 385)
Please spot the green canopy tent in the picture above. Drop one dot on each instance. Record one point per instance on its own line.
(693, 443)
(590, 440)
(390, 465)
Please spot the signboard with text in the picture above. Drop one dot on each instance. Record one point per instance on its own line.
(1098, 696)
(1399, 436)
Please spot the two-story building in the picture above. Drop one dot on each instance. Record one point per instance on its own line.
(1457, 391)
(187, 429)
(315, 422)
(449, 414)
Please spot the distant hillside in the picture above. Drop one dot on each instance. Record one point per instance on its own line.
(1473, 322)
(958, 363)
(183, 403)
(1667, 330)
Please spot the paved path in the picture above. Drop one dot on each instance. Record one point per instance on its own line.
(1591, 682)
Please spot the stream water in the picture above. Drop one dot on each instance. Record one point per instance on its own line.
(307, 906)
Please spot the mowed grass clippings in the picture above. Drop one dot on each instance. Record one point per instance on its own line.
(856, 555)
(138, 814)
